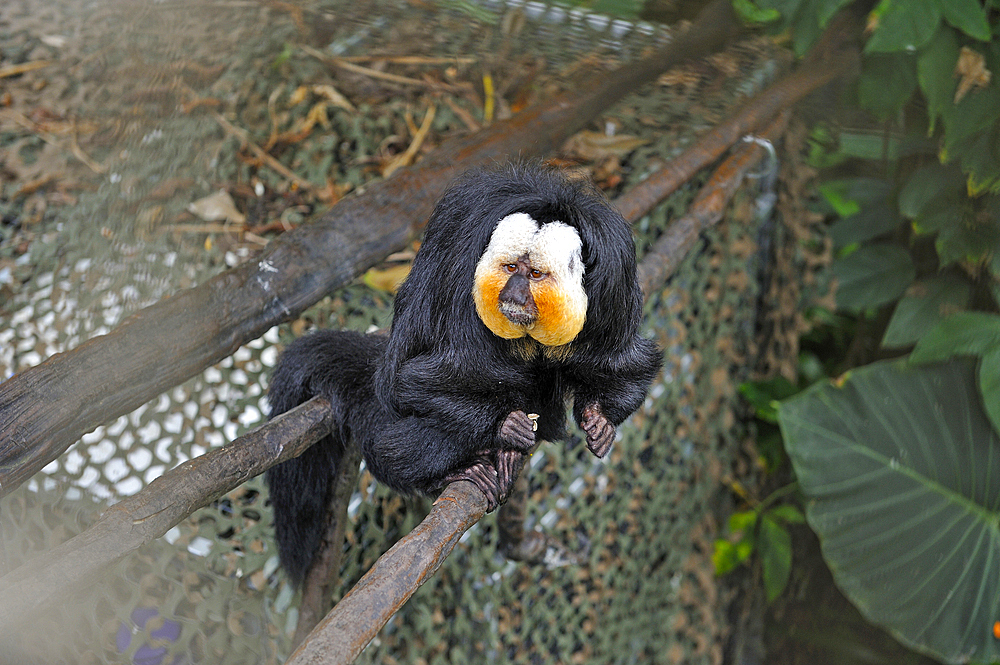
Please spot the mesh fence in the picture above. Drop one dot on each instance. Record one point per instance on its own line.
(210, 591)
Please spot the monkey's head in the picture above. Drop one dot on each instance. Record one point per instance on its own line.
(529, 281)
(511, 254)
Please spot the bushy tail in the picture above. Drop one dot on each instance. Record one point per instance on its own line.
(333, 364)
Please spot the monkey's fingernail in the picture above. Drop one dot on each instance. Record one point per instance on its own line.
(534, 421)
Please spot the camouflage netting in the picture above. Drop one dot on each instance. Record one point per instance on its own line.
(130, 92)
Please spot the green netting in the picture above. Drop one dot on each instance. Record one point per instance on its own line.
(643, 520)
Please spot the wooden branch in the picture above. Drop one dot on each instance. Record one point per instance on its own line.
(46, 408)
(396, 576)
(149, 514)
(713, 144)
(669, 250)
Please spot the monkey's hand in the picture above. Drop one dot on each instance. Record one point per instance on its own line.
(600, 432)
(518, 431)
(517, 436)
(483, 475)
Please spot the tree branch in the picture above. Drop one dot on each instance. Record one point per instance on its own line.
(148, 514)
(390, 582)
(662, 259)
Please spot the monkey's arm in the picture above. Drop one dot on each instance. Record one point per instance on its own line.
(608, 389)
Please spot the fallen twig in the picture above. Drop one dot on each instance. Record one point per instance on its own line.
(261, 154)
(24, 67)
(53, 140)
(406, 158)
(347, 65)
(409, 59)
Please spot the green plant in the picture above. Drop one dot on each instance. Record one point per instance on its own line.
(764, 531)
(899, 462)
(901, 469)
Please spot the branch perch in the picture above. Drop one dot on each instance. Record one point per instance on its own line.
(150, 513)
(390, 582)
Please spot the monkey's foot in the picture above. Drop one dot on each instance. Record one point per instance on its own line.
(484, 476)
(600, 432)
(518, 431)
(509, 465)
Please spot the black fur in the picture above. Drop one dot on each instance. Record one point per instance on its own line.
(430, 399)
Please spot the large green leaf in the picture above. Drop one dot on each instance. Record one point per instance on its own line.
(901, 471)
(872, 221)
(925, 304)
(873, 275)
(962, 333)
(887, 82)
(904, 25)
(969, 334)
(969, 16)
(935, 72)
(928, 183)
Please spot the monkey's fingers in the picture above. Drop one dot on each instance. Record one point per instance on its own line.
(600, 432)
(518, 431)
(509, 465)
(484, 476)
(600, 442)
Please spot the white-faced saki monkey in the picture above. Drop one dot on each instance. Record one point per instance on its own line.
(523, 295)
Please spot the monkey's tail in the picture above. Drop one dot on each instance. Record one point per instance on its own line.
(337, 365)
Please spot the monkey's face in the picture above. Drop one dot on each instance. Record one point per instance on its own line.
(529, 281)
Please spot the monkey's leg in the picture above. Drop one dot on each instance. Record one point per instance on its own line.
(600, 432)
(516, 431)
(412, 455)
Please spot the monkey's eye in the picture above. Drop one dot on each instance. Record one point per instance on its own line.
(536, 273)
(510, 268)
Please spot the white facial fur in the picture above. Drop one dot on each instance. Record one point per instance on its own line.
(555, 248)
(511, 239)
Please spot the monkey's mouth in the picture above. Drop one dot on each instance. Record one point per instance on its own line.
(518, 315)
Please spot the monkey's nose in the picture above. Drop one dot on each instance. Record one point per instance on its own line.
(516, 291)
(516, 303)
